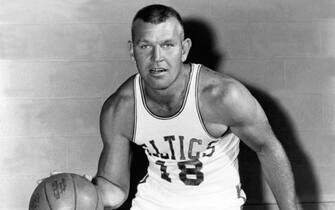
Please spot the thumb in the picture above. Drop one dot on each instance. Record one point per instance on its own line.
(55, 172)
(88, 177)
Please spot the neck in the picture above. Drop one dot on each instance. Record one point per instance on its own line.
(172, 96)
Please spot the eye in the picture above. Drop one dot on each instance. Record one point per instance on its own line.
(144, 46)
(167, 45)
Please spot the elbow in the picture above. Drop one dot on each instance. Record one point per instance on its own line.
(273, 150)
(262, 150)
(113, 196)
(113, 199)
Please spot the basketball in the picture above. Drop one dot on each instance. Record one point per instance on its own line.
(65, 191)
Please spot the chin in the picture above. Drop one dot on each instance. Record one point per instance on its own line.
(158, 85)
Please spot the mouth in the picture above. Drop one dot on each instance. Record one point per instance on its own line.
(157, 70)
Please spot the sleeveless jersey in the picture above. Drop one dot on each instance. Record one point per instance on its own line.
(188, 168)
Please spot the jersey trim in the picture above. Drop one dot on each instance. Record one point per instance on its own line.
(135, 109)
(181, 108)
(198, 108)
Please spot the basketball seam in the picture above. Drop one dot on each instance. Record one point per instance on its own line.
(46, 195)
(75, 192)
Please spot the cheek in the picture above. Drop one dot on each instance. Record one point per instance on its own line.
(141, 58)
(174, 55)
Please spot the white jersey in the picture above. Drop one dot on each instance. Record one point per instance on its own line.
(188, 168)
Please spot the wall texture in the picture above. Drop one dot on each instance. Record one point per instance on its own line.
(59, 60)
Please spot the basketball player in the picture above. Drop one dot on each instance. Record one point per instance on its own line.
(189, 120)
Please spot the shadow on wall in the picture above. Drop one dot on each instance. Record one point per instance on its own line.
(203, 43)
(203, 51)
(138, 171)
(305, 180)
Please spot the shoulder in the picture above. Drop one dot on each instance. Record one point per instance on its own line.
(216, 83)
(118, 110)
(122, 97)
(225, 97)
(220, 87)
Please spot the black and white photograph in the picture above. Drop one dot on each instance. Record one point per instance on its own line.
(167, 105)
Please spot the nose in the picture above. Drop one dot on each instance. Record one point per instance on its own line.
(156, 55)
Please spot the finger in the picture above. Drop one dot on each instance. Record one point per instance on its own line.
(88, 177)
(55, 172)
(39, 181)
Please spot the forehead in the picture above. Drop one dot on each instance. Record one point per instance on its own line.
(169, 29)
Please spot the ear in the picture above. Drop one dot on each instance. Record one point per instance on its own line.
(186, 46)
(131, 50)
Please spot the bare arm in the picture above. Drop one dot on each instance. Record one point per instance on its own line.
(249, 122)
(114, 164)
(237, 108)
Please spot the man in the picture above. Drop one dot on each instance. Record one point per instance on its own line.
(189, 120)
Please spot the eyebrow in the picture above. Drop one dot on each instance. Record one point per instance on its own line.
(142, 41)
(147, 41)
